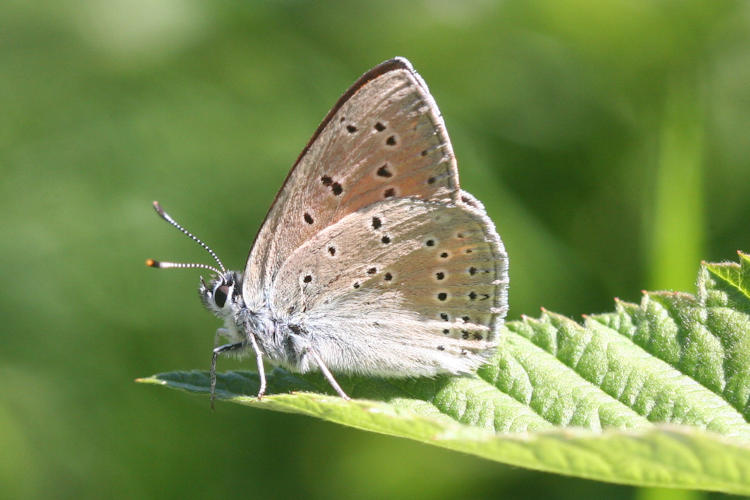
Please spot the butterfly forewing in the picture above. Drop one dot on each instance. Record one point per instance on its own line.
(383, 140)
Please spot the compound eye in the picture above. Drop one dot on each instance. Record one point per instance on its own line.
(220, 295)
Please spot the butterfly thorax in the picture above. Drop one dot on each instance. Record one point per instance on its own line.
(223, 297)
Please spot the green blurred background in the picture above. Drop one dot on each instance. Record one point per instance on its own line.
(608, 140)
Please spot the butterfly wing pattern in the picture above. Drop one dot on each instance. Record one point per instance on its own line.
(371, 259)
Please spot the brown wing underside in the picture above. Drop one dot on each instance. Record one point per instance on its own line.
(384, 139)
(401, 263)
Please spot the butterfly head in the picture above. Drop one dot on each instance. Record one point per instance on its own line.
(222, 294)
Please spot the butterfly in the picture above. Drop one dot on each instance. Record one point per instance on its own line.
(371, 259)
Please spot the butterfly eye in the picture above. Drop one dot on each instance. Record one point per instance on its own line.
(220, 295)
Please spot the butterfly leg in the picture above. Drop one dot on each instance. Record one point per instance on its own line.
(219, 333)
(328, 374)
(261, 370)
(220, 350)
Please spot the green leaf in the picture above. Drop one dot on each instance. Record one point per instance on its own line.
(652, 394)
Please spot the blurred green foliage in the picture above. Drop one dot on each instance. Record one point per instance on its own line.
(608, 140)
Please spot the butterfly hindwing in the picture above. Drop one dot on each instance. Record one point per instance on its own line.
(403, 286)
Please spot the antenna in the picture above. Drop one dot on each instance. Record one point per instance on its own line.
(184, 265)
(180, 265)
